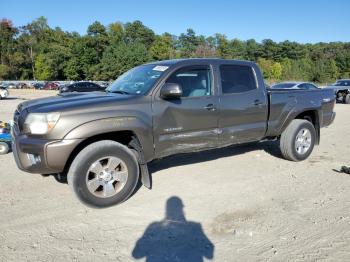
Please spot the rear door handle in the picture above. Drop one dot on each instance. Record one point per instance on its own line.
(210, 107)
(257, 102)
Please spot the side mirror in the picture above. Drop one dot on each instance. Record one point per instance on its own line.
(171, 91)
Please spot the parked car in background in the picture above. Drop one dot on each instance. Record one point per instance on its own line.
(4, 93)
(104, 84)
(81, 87)
(341, 90)
(295, 85)
(38, 85)
(21, 85)
(51, 86)
(8, 85)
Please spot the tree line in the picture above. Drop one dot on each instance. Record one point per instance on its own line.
(37, 51)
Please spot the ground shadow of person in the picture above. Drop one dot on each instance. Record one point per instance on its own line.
(174, 238)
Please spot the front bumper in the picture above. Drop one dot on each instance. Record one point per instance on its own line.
(42, 156)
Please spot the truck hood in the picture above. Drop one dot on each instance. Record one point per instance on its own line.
(70, 101)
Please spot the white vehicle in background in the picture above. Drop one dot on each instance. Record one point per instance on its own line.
(341, 90)
(295, 85)
(4, 93)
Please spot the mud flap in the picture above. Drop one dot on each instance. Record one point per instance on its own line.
(146, 179)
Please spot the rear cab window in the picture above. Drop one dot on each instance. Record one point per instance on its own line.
(237, 79)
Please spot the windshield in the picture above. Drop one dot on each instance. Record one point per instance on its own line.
(138, 80)
(283, 85)
(342, 83)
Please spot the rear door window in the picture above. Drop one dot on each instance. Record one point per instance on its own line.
(237, 79)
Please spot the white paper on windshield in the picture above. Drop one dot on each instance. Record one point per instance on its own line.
(160, 68)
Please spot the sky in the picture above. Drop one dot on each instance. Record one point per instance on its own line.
(307, 21)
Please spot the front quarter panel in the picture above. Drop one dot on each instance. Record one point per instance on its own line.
(135, 116)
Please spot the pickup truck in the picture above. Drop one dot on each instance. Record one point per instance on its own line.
(102, 141)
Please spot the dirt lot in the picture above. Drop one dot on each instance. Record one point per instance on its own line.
(240, 204)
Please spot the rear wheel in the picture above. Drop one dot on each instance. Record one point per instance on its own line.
(298, 140)
(103, 174)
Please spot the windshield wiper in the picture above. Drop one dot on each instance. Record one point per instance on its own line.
(118, 92)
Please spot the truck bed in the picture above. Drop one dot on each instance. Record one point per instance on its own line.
(287, 104)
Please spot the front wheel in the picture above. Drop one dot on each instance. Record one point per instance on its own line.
(103, 174)
(298, 140)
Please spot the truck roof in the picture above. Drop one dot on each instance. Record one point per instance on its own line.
(203, 60)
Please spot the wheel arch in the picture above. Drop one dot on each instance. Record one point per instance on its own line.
(119, 129)
(312, 116)
(124, 137)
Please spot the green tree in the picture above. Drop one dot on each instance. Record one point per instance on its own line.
(271, 70)
(118, 59)
(188, 43)
(136, 32)
(271, 50)
(96, 29)
(116, 33)
(73, 70)
(44, 68)
(222, 46)
(253, 50)
(4, 72)
(332, 70)
(162, 48)
(237, 49)
(106, 51)
(7, 46)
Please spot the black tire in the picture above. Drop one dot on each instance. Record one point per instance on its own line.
(288, 140)
(78, 171)
(4, 148)
(347, 99)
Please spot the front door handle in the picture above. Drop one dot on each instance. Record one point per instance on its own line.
(210, 107)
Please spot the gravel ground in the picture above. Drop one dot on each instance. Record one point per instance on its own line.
(234, 204)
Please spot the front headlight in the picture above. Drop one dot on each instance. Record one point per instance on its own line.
(41, 123)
